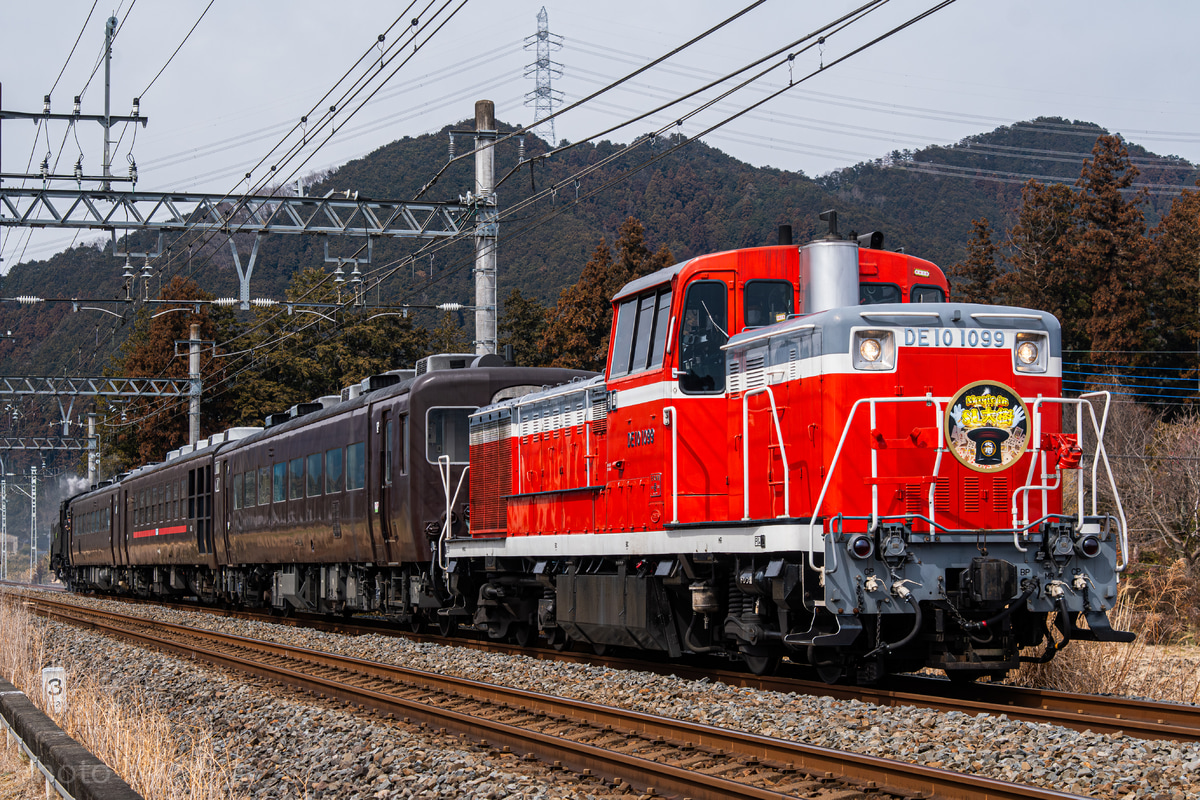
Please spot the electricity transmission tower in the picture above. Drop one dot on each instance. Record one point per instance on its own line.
(544, 96)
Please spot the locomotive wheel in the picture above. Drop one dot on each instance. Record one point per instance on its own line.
(416, 624)
(446, 625)
(523, 634)
(558, 640)
(831, 673)
(761, 663)
(599, 648)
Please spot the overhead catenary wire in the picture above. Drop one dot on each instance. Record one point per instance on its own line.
(688, 140)
(369, 51)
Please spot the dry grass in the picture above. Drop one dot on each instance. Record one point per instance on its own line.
(1161, 664)
(157, 757)
(16, 782)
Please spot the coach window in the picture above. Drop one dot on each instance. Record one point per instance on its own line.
(702, 334)
(870, 294)
(402, 461)
(333, 470)
(314, 474)
(926, 294)
(264, 485)
(389, 451)
(296, 479)
(356, 466)
(447, 434)
(237, 491)
(766, 302)
(279, 488)
(250, 498)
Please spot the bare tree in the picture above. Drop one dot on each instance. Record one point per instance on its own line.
(1156, 462)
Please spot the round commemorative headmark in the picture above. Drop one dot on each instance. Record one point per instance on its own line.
(987, 426)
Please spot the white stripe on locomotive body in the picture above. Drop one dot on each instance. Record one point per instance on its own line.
(693, 539)
(540, 414)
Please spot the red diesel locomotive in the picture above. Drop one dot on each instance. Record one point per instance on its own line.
(801, 452)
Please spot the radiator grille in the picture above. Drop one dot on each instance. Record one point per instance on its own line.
(1000, 496)
(971, 494)
(490, 476)
(941, 495)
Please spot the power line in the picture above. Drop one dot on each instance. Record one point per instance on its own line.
(177, 49)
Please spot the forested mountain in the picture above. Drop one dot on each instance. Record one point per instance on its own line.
(690, 201)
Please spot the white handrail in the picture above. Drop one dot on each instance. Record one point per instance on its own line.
(746, 450)
(927, 399)
(1101, 457)
(922, 314)
(444, 472)
(1036, 451)
(1112, 483)
(993, 315)
(674, 462)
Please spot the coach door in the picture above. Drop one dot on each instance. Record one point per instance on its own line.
(200, 507)
(383, 472)
(700, 439)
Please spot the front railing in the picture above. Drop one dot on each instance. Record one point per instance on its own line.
(1020, 511)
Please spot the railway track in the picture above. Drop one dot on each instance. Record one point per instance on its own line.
(1141, 719)
(674, 757)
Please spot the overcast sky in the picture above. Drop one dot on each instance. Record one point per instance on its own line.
(251, 69)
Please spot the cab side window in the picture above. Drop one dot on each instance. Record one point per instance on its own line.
(766, 302)
(641, 334)
(702, 333)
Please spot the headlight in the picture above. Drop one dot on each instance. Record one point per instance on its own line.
(1031, 352)
(1088, 546)
(862, 546)
(873, 349)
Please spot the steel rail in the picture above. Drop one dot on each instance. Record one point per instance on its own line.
(1141, 719)
(870, 772)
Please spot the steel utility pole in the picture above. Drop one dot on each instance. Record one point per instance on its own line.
(93, 456)
(487, 227)
(194, 377)
(109, 29)
(32, 522)
(4, 521)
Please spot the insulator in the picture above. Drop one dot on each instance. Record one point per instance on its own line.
(127, 273)
(79, 168)
(76, 104)
(452, 146)
(133, 173)
(338, 273)
(45, 168)
(263, 302)
(46, 104)
(520, 148)
(225, 301)
(28, 300)
(146, 271)
(450, 307)
(137, 102)
(356, 277)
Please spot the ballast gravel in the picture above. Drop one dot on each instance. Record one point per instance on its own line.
(287, 745)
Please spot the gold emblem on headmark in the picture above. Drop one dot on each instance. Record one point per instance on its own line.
(987, 426)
